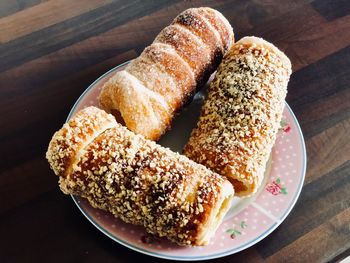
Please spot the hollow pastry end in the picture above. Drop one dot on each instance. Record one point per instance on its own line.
(262, 43)
(216, 215)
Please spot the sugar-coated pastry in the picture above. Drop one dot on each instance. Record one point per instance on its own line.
(153, 87)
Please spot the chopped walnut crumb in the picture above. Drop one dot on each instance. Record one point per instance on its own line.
(241, 114)
(141, 182)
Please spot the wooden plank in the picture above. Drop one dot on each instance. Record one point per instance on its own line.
(27, 180)
(285, 27)
(8, 7)
(72, 30)
(332, 9)
(323, 114)
(43, 15)
(232, 11)
(317, 42)
(247, 255)
(319, 245)
(332, 147)
(319, 93)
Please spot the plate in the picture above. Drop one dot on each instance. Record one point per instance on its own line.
(248, 220)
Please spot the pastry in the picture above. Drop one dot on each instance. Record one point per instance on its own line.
(241, 114)
(137, 180)
(153, 87)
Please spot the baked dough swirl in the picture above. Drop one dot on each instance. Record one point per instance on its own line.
(153, 87)
(138, 180)
(241, 114)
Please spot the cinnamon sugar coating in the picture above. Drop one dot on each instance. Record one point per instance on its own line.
(154, 86)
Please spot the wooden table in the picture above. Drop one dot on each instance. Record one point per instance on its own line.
(50, 51)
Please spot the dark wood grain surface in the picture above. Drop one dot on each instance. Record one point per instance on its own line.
(50, 51)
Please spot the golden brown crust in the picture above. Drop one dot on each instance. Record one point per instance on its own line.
(165, 71)
(200, 26)
(188, 45)
(222, 26)
(66, 144)
(143, 110)
(241, 115)
(143, 183)
(182, 57)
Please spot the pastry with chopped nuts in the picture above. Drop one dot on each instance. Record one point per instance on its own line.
(153, 87)
(138, 180)
(242, 113)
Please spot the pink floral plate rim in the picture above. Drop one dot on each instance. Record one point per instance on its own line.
(249, 221)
